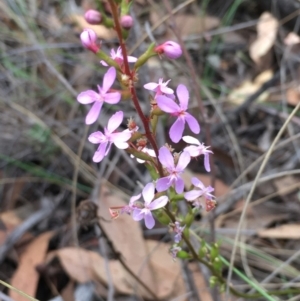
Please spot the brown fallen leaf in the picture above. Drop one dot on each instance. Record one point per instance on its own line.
(200, 283)
(289, 231)
(168, 274)
(238, 95)
(125, 234)
(267, 27)
(293, 96)
(26, 277)
(101, 31)
(84, 266)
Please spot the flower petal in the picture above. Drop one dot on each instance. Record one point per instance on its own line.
(193, 123)
(167, 105)
(97, 137)
(112, 98)
(206, 162)
(166, 90)
(103, 63)
(159, 203)
(94, 112)
(108, 148)
(165, 157)
(192, 195)
(176, 130)
(120, 137)
(121, 145)
(88, 96)
(191, 140)
(100, 153)
(163, 184)
(192, 150)
(183, 161)
(197, 183)
(183, 96)
(179, 185)
(149, 220)
(131, 59)
(108, 79)
(114, 121)
(151, 86)
(137, 214)
(134, 198)
(148, 193)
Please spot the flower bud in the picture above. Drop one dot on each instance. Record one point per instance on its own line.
(171, 50)
(93, 17)
(126, 22)
(89, 40)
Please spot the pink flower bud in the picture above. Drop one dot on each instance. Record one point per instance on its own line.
(93, 17)
(89, 40)
(126, 21)
(171, 49)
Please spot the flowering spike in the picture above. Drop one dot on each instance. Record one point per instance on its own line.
(170, 49)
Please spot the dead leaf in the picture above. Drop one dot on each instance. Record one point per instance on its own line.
(168, 274)
(190, 24)
(267, 27)
(26, 277)
(291, 39)
(84, 266)
(289, 231)
(200, 283)
(125, 234)
(293, 96)
(101, 31)
(284, 182)
(238, 95)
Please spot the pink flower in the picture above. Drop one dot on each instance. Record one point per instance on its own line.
(149, 205)
(93, 17)
(126, 22)
(169, 106)
(197, 149)
(160, 88)
(171, 49)
(174, 250)
(178, 230)
(89, 40)
(202, 196)
(166, 159)
(131, 206)
(117, 56)
(110, 137)
(98, 99)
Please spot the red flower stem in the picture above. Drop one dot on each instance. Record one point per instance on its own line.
(149, 135)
